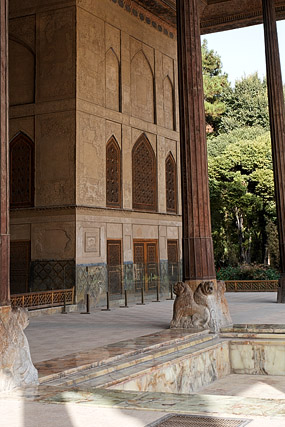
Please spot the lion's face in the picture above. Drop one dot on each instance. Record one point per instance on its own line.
(21, 316)
(179, 288)
(207, 288)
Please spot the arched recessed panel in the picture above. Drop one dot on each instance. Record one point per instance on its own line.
(171, 184)
(144, 175)
(21, 172)
(113, 174)
(21, 74)
(168, 104)
(142, 88)
(112, 81)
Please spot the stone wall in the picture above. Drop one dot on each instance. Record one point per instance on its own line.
(90, 71)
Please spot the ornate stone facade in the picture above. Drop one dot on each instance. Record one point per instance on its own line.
(91, 185)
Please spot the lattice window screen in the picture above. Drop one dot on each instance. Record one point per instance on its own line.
(171, 185)
(138, 253)
(172, 251)
(21, 172)
(144, 175)
(113, 174)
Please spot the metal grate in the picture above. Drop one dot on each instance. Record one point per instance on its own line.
(198, 421)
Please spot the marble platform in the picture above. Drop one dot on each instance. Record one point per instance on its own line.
(172, 361)
(239, 373)
(81, 361)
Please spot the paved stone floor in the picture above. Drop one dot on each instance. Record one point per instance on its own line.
(59, 335)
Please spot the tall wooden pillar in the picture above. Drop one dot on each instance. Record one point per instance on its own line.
(4, 171)
(277, 127)
(198, 257)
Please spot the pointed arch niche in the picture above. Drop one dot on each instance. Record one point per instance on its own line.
(142, 88)
(168, 104)
(113, 91)
(171, 183)
(113, 174)
(144, 175)
(22, 165)
(21, 73)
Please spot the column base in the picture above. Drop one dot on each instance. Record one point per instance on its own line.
(200, 304)
(16, 367)
(281, 291)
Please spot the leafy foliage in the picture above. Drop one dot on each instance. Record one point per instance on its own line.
(215, 84)
(246, 104)
(242, 195)
(248, 272)
(241, 181)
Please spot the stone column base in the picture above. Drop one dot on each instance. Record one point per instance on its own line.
(16, 367)
(200, 304)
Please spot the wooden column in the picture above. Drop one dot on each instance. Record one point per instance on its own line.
(277, 127)
(4, 171)
(198, 257)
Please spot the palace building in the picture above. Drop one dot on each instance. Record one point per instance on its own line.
(94, 147)
(104, 179)
(95, 197)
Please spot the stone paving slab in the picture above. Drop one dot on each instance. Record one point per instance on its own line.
(19, 413)
(58, 335)
(239, 406)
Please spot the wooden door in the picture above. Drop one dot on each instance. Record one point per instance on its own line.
(139, 255)
(173, 266)
(146, 266)
(151, 265)
(114, 261)
(20, 258)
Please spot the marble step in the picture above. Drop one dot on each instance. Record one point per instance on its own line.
(261, 331)
(116, 378)
(138, 364)
(100, 356)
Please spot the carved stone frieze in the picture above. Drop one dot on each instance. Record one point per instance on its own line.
(16, 367)
(218, 15)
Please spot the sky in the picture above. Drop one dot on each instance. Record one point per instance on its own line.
(242, 50)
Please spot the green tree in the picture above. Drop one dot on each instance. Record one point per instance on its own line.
(246, 104)
(215, 84)
(242, 195)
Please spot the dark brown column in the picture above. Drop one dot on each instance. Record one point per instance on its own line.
(4, 173)
(277, 126)
(198, 258)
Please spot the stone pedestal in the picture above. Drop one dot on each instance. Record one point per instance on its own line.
(16, 367)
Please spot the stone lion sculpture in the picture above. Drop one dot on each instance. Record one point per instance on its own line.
(16, 367)
(191, 308)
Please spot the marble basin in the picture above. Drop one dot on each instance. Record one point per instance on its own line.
(241, 349)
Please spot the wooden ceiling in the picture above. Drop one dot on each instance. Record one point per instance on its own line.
(218, 15)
